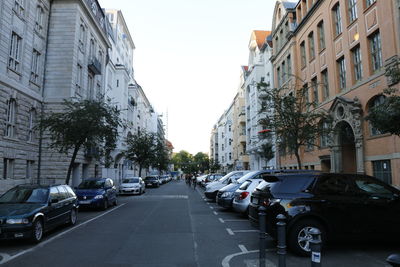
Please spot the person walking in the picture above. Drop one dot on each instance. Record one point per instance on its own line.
(194, 181)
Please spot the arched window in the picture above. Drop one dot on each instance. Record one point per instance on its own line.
(11, 118)
(376, 101)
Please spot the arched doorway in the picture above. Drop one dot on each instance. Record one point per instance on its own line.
(347, 147)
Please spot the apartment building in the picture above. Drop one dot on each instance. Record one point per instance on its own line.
(23, 40)
(342, 49)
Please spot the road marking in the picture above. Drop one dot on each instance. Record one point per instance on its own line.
(246, 231)
(227, 259)
(216, 213)
(165, 196)
(4, 257)
(229, 230)
(42, 244)
(243, 248)
(221, 220)
(211, 208)
(238, 220)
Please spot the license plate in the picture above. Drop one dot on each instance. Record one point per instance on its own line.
(84, 202)
(254, 200)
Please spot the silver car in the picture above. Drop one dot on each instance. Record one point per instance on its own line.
(132, 185)
(241, 200)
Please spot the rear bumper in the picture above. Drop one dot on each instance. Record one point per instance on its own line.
(225, 202)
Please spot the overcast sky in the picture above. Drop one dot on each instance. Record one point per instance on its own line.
(188, 57)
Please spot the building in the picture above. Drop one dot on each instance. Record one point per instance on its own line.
(259, 69)
(23, 41)
(342, 48)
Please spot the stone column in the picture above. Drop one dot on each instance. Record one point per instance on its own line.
(360, 155)
(336, 159)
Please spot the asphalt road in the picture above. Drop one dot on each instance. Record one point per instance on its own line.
(169, 226)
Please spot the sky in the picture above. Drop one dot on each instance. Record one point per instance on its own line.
(188, 56)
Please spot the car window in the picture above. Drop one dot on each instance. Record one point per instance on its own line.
(110, 183)
(63, 193)
(374, 188)
(332, 185)
(25, 195)
(70, 191)
(131, 180)
(54, 194)
(91, 184)
(291, 184)
(245, 185)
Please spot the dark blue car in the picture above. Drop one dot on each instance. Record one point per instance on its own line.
(97, 193)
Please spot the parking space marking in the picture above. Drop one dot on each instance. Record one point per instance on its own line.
(221, 220)
(216, 213)
(235, 220)
(246, 231)
(212, 208)
(42, 244)
(4, 257)
(243, 248)
(229, 230)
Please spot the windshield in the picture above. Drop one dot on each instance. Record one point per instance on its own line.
(130, 180)
(150, 178)
(245, 177)
(25, 195)
(91, 184)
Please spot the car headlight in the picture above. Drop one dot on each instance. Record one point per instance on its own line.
(99, 197)
(17, 221)
(227, 194)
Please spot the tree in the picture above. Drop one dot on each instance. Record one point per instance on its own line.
(85, 123)
(141, 149)
(184, 161)
(386, 116)
(214, 165)
(292, 117)
(202, 162)
(161, 156)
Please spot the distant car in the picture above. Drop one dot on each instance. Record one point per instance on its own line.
(132, 185)
(97, 193)
(213, 187)
(27, 211)
(241, 199)
(341, 206)
(211, 177)
(200, 179)
(152, 181)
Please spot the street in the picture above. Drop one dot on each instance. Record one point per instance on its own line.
(169, 226)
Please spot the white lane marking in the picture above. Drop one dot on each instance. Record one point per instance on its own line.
(238, 220)
(243, 248)
(216, 213)
(246, 231)
(212, 208)
(42, 244)
(4, 257)
(221, 220)
(227, 259)
(229, 230)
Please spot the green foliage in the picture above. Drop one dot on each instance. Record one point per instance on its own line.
(141, 148)
(202, 162)
(292, 117)
(267, 151)
(189, 163)
(161, 155)
(214, 165)
(84, 123)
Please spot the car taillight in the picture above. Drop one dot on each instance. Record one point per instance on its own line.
(243, 195)
(270, 202)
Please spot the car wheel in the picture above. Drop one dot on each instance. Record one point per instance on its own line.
(72, 217)
(115, 201)
(299, 236)
(37, 231)
(105, 204)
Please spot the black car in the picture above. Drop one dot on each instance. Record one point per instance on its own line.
(340, 205)
(152, 181)
(27, 211)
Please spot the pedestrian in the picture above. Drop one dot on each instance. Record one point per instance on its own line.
(194, 180)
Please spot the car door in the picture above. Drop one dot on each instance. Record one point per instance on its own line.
(65, 203)
(110, 190)
(54, 211)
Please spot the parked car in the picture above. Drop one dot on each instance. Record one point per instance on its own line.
(28, 211)
(97, 193)
(213, 187)
(226, 194)
(211, 177)
(132, 185)
(241, 198)
(339, 205)
(200, 179)
(152, 181)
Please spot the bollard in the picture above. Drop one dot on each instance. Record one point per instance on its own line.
(394, 260)
(281, 229)
(262, 221)
(315, 247)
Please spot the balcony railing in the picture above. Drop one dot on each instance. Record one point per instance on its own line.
(94, 65)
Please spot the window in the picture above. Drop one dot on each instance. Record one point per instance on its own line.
(303, 54)
(15, 52)
(8, 168)
(39, 19)
(321, 36)
(35, 66)
(311, 45)
(356, 54)
(283, 79)
(352, 8)
(374, 103)
(82, 38)
(31, 126)
(29, 169)
(337, 19)
(325, 84)
(90, 87)
(382, 170)
(278, 72)
(314, 85)
(79, 75)
(19, 7)
(289, 67)
(370, 2)
(342, 73)
(91, 49)
(375, 50)
(324, 134)
(10, 123)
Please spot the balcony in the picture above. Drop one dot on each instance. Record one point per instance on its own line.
(242, 138)
(242, 118)
(94, 66)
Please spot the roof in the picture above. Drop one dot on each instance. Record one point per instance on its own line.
(260, 37)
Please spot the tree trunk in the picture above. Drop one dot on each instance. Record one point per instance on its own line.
(298, 158)
(71, 164)
(140, 170)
